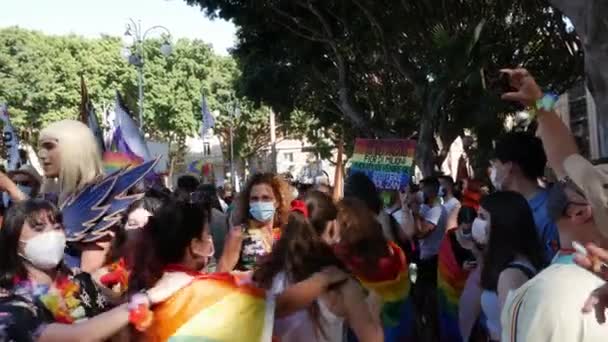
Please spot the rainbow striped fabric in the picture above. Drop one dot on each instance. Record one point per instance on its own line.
(214, 307)
(200, 167)
(389, 281)
(451, 279)
(114, 161)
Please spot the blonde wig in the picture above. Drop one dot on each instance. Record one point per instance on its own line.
(79, 155)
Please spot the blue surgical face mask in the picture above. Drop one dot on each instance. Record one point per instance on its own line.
(442, 192)
(262, 211)
(27, 190)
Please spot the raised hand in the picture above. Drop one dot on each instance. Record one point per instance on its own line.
(527, 91)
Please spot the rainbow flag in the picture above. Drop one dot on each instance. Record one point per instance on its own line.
(389, 163)
(390, 281)
(451, 279)
(200, 167)
(214, 307)
(114, 161)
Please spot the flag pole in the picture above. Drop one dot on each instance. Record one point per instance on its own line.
(202, 175)
(338, 176)
(84, 99)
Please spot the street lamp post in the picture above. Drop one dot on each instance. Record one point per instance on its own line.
(234, 115)
(136, 58)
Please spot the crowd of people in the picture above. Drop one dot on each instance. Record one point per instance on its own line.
(91, 257)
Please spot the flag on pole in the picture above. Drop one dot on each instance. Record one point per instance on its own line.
(128, 147)
(88, 116)
(10, 141)
(208, 120)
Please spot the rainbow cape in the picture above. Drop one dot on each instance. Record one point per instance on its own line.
(214, 307)
(390, 281)
(451, 279)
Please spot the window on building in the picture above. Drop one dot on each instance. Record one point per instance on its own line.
(207, 149)
(579, 119)
(288, 157)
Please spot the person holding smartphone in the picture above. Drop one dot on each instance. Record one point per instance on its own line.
(548, 307)
(455, 262)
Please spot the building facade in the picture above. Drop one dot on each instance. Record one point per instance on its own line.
(297, 158)
(577, 109)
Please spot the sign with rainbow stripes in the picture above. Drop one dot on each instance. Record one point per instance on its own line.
(389, 163)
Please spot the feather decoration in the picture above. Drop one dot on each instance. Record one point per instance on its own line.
(90, 213)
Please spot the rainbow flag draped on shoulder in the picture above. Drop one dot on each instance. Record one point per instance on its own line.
(389, 281)
(451, 279)
(214, 307)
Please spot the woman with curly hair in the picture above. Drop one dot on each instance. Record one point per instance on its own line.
(262, 210)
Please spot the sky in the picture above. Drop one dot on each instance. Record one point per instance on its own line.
(90, 18)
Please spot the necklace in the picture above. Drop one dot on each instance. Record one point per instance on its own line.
(60, 298)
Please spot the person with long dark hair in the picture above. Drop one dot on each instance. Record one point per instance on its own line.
(454, 264)
(43, 300)
(305, 248)
(114, 275)
(174, 247)
(513, 252)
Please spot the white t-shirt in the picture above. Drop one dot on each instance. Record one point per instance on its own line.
(451, 204)
(396, 213)
(548, 308)
(437, 216)
(298, 327)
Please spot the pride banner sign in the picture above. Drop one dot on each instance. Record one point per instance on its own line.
(388, 163)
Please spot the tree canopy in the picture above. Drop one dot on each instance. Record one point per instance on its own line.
(40, 82)
(386, 68)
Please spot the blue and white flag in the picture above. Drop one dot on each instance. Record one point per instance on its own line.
(10, 141)
(208, 120)
(127, 137)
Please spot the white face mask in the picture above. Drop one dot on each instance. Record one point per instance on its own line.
(494, 180)
(480, 231)
(209, 253)
(45, 250)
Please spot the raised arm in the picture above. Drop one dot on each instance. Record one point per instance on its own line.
(557, 139)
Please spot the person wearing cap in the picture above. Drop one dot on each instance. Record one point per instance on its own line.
(548, 307)
(27, 180)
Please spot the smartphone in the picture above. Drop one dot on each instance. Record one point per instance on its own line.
(499, 84)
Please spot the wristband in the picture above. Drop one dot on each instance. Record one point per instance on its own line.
(545, 104)
(140, 315)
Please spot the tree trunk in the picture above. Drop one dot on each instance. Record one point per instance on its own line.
(424, 146)
(589, 19)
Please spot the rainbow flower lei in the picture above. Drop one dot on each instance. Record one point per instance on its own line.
(61, 299)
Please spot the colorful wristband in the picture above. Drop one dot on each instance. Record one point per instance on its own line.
(140, 315)
(545, 104)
